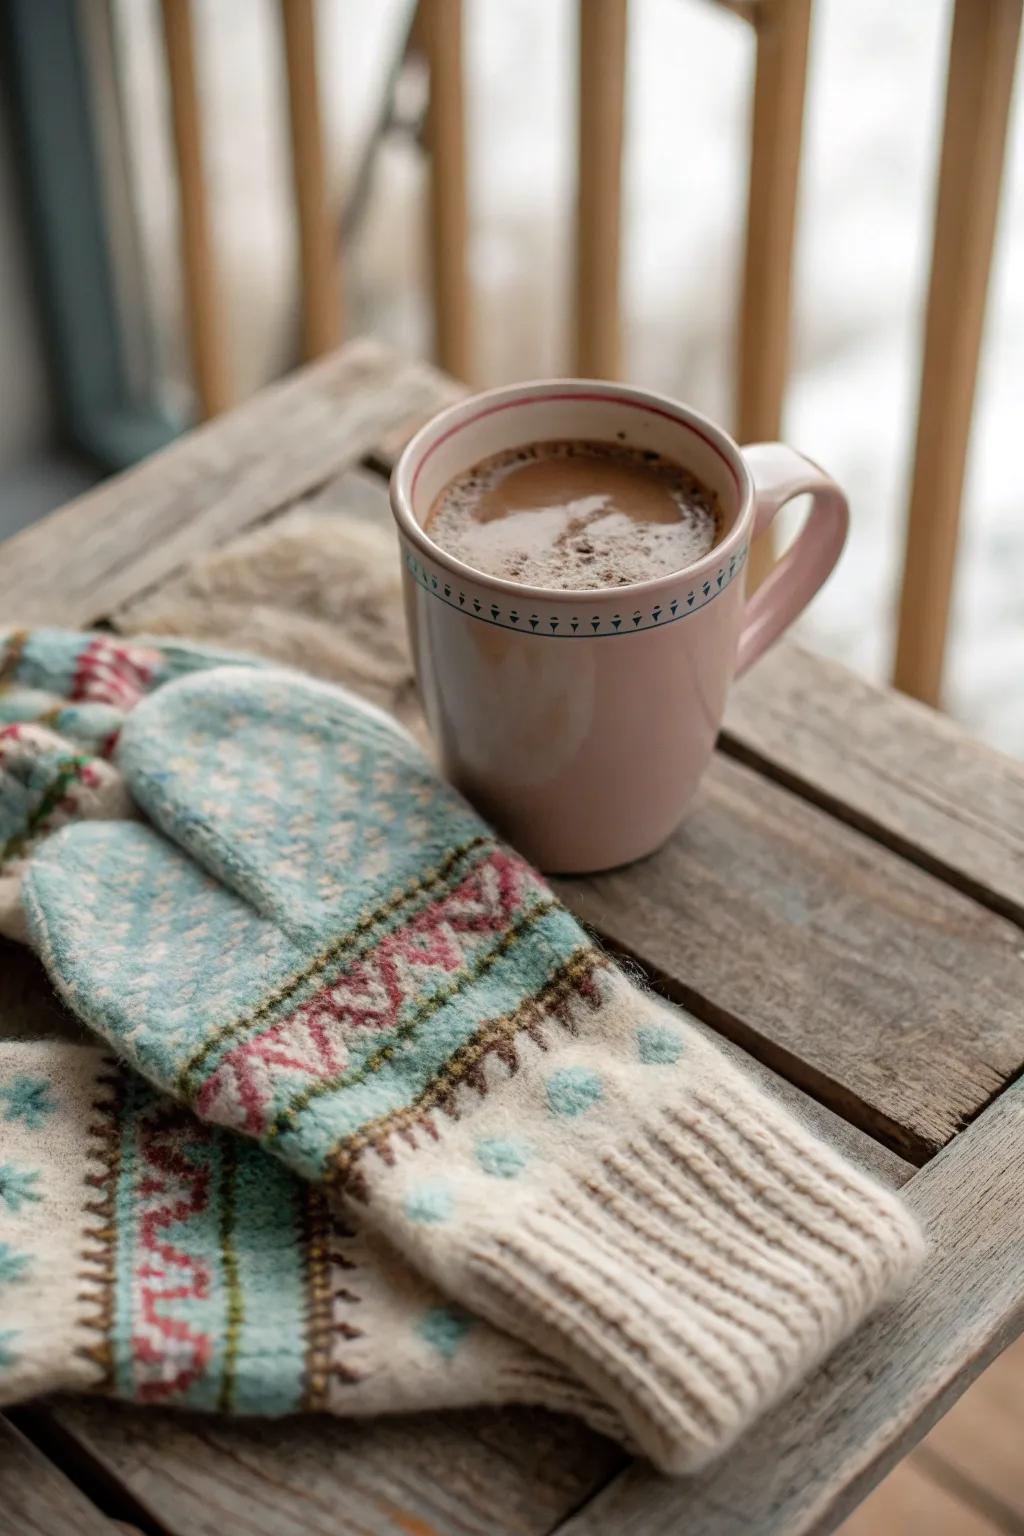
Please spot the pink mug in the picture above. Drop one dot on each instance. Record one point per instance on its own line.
(579, 723)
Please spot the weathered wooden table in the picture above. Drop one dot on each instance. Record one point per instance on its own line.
(845, 907)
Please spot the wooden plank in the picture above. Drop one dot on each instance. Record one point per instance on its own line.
(804, 1467)
(439, 29)
(318, 259)
(776, 130)
(908, 776)
(36, 1499)
(982, 53)
(878, 990)
(206, 330)
(107, 547)
(601, 86)
(512, 1473)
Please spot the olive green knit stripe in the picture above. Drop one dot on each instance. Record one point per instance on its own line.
(426, 1010)
(186, 1088)
(229, 1263)
(52, 797)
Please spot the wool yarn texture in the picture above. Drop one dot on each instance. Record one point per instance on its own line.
(147, 1256)
(315, 943)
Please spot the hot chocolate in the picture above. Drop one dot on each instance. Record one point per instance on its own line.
(576, 515)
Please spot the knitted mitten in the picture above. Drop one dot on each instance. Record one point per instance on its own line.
(348, 967)
(63, 699)
(153, 1258)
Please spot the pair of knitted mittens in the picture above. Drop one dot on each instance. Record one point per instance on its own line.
(317, 944)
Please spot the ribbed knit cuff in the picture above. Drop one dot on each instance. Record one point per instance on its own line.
(698, 1271)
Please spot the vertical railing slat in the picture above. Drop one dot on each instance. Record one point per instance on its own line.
(783, 29)
(982, 50)
(320, 293)
(439, 32)
(601, 87)
(205, 316)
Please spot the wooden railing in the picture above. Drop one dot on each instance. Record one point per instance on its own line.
(983, 45)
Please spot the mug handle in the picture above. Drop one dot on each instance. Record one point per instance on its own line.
(779, 474)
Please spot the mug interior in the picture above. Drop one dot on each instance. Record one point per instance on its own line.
(505, 420)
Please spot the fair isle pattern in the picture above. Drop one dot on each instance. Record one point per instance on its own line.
(380, 997)
(63, 700)
(207, 1268)
(362, 930)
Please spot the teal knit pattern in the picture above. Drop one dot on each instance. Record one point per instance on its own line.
(344, 930)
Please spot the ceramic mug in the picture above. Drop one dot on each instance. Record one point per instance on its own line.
(580, 723)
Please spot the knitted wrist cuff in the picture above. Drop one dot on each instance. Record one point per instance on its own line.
(698, 1271)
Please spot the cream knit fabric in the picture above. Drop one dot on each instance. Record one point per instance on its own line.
(149, 1257)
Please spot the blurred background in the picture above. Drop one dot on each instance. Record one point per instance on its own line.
(91, 285)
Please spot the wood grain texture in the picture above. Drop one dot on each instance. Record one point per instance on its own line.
(496, 1474)
(36, 1499)
(806, 1466)
(776, 131)
(320, 302)
(876, 988)
(910, 777)
(206, 332)
(982, 54)
(109, 546)
(601, 88)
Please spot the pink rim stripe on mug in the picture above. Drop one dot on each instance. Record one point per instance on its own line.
(587, 754)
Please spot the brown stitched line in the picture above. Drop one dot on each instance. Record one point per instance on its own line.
(656, 1147)
(754, 1197)
(616, 1204)
(425, 1011)
(833, 1178)
(347, 941)
(696, 1345)
(490, 1038)
(15, 649)
(99, 1279)
(316, 1222)
(619, 1175)
(507, 1271)
(757, 1192)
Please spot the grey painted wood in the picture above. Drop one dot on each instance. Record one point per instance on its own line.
(802, 1469)
(36, 1499)
(901, 771)
(512, 1473)
(112, 544)
(874, 986)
